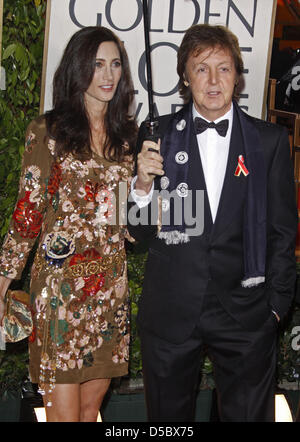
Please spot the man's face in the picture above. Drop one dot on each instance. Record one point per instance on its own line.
(212, 77)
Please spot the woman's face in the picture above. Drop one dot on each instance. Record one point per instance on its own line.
(108, 71)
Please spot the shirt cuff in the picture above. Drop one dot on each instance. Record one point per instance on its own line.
(141, 200)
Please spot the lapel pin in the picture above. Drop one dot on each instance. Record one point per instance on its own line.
(181, 125)
(182, 190)
(165, 205)
(164, 182)
(181, 157)
(241, 168)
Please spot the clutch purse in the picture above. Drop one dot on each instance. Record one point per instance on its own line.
(17, 321)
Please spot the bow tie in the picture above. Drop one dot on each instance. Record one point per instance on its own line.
(201, 125)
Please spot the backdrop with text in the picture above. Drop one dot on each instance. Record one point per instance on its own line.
(252, 21)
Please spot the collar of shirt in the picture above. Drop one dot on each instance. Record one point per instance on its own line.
(228, 115)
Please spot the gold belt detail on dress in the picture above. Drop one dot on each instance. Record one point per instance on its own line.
(107, 264)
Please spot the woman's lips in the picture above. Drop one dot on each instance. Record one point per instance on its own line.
(107, 88)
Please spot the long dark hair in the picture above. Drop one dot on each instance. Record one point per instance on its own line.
(68, 121)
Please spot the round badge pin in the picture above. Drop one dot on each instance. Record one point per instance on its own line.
(181, 157)
(165, 205)
(164, 182)
(182, 190)
(181, 125)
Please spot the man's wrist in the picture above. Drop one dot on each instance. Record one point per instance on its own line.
(142, 189)
(140, 197)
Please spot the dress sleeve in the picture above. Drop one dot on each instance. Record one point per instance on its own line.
(130, 169)
(31, 206)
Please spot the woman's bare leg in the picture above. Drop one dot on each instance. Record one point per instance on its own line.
(92, 394)
(65, 400)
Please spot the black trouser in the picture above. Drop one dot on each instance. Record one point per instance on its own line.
(244, 368)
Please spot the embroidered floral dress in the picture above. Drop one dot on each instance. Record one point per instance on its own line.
(78, 285)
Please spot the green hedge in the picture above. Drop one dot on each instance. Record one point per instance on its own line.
(23, 38)
(22, 57)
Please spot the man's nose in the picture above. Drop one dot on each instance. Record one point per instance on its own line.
(213, 76)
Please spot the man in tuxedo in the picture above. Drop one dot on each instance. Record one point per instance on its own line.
(223, 277)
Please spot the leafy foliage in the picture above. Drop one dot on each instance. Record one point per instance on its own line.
(136, 266)
(13, 367)
(22, 57)
(288, 366)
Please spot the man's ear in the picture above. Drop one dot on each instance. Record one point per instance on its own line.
(185, 82)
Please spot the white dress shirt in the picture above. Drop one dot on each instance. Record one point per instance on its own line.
(213, 151)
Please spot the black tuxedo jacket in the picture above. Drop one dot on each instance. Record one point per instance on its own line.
(177, 276)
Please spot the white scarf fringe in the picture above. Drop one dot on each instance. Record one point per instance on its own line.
(253, 282)
(174, 237)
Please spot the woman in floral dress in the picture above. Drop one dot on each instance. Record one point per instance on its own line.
(76, 172)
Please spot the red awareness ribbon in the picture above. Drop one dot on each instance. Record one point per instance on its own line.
(241, 167)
